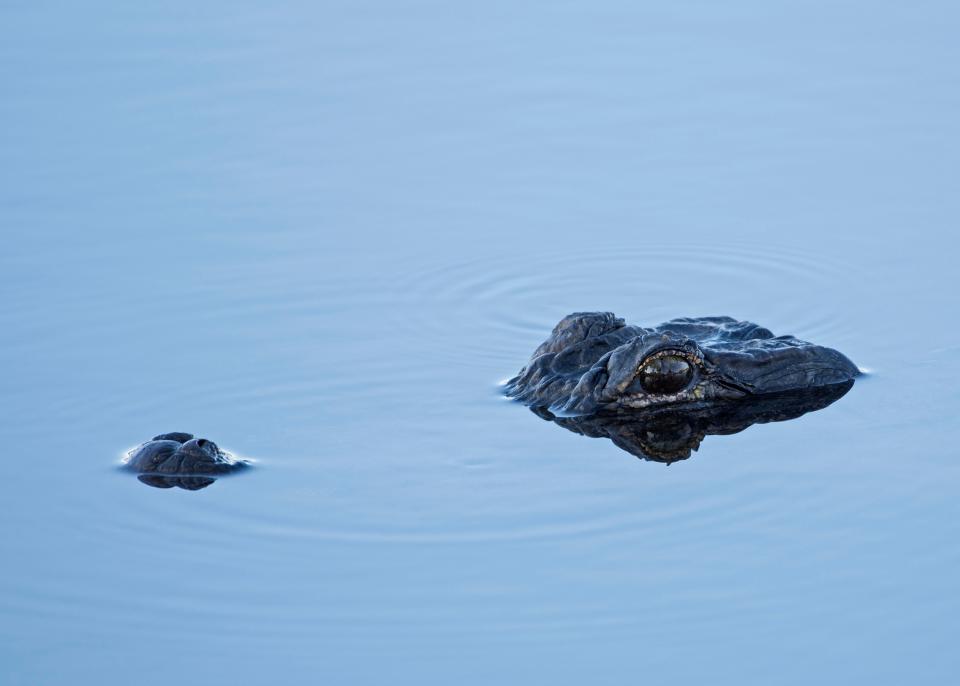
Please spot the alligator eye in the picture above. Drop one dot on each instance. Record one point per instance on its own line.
(665, 374)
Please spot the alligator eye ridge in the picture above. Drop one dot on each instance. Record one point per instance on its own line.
(665, 374)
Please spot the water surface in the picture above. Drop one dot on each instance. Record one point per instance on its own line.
(321, 234)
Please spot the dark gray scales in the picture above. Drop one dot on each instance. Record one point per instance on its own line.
(180, 454)
(593, 362)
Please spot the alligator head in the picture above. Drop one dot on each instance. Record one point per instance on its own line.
(594, 363)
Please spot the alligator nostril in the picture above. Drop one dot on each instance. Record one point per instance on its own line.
(202, 442)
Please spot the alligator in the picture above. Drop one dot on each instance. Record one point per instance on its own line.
(178, 459)
(672, 433)
(594, 363)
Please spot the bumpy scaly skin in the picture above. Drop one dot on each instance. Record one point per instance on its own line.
(182, 455)
(591, 363)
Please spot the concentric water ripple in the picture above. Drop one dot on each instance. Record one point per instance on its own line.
(371, 414)
(490, 308)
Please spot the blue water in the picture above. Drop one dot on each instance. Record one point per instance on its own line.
(320, 234)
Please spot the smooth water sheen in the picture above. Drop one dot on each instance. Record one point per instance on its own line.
(321, 234)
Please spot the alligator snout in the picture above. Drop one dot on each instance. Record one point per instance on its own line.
(181, 454)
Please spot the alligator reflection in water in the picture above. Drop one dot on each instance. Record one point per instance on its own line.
(188, 483)
(671, 434)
